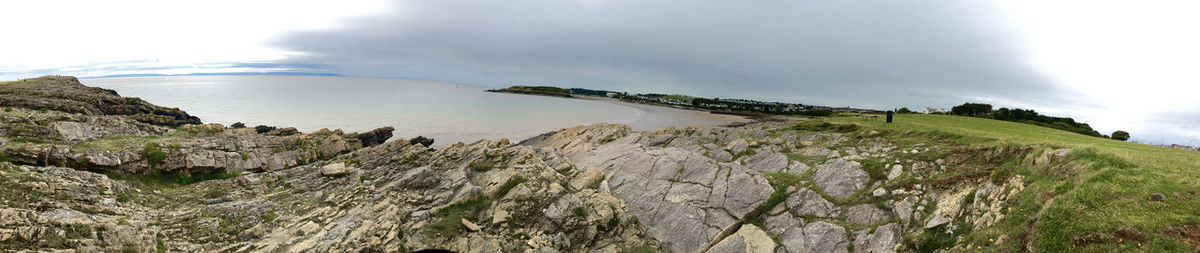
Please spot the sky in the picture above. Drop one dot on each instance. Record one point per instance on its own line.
(1128, 65)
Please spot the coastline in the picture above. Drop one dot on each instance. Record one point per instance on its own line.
(661, 116)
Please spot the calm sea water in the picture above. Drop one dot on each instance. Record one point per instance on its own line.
(447, 112)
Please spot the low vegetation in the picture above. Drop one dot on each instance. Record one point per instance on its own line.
(1110, 196)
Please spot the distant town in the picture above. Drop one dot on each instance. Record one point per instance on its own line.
(716, 105)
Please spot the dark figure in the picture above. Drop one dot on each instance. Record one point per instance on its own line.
(889, 117)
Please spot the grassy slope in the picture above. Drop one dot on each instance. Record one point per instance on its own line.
(1113, 194)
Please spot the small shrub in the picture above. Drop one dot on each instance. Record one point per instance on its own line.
(154, 153)
(270, 216)
(481, 166)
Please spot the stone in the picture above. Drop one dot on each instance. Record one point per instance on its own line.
(334, 170)
(879, 192)
(818, 236)
(895, 172)
(738, 146)
(937, 220)
(798, 168)
(375, 137)
(748, 238)
(470, 226)
(418, 178)
(884, 239)
(421, 140)
(840, 178)
(767, 161)
(904, 209)
(806, 202)
(866, 214)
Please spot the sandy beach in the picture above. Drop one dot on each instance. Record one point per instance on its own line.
(654, 117)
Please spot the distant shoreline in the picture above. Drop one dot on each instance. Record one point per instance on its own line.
(729, 119)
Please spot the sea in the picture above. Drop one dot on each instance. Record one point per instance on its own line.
(447, 112)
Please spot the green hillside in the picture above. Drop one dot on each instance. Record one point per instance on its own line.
(1101, 203)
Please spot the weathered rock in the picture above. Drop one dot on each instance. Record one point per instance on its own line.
(262, 129)
(866, 214)
(287, 131)
(375, 137)
(883, 239)
(470, 226)
(937, 220)
(749, 239)
(840, 178)
(806, 202)
(421, 140)
(334, 170)
(67, 94)
(816, 237)
(895, 172)
(737, 146)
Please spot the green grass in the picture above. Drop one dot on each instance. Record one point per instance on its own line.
(1109, 192)
(512, 182)
(678, 97)
(451, 216)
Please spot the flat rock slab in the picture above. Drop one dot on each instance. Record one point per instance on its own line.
(840, 178)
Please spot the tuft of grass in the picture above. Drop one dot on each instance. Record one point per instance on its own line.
(270, 216)
(512, 182)
(451, 216)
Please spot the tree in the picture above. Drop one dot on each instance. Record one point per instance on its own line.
(1120, 135)
(904, 110)
(972, 109)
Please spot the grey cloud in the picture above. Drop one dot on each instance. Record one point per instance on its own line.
(877, 54)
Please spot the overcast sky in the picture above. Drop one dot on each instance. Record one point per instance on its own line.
(1131, 65)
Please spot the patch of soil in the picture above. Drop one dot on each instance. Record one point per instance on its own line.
(1044, 197)
(945, 183)
(1117, 236)
(1189, 234)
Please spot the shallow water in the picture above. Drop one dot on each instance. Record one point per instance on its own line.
(447, 112)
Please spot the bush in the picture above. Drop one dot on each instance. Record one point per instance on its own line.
(1120, 135)
(154, 153)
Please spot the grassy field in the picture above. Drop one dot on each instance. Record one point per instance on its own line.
(1103, 206)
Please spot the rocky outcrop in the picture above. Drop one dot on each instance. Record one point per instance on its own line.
(669, 189)
(48, 130)
(67, 94)
(391, 196)
(765, 187)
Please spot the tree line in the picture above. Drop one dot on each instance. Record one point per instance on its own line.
(1033, 118)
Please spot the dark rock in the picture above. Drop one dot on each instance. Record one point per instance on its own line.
(1157, 197)
(238, 125)
(422, 140)
(217, 201)
(263, 129)
(287, 131)
(376, 137)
